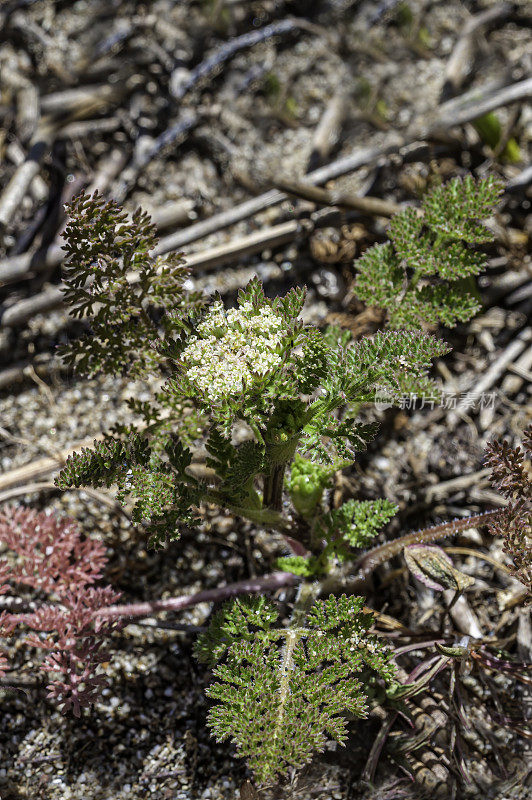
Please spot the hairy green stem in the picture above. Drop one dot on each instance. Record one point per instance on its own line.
(378, 555)
(357, 580)
(273, 487)
(268, 517)
(306, 596)
(308, 592)
(256, 431)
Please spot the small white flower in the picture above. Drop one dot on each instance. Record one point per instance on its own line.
(233, 350)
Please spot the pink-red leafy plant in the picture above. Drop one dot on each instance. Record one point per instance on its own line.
(50, 555)
(511, 475)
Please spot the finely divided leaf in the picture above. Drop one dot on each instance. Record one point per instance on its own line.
(282, 692)
(110, 276)
(454, 210)
(414, 276)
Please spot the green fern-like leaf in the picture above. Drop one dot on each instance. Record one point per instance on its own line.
(352, 526)
(313, 364)
(327, 438)
(415, 277)
(252, 293)
(179, 456)
(105, 464)
(389, 360)
(454, 210)
(111, 277)
(248, 460)
(445, 304)
(355, 523)
(291, 305)
(282, 692)
(220, 450)
(161, 491)
(162, 499)
(408, 242)
(236, 466)
(152, 489)
(380, 279)
(303, 566)
(391, 363)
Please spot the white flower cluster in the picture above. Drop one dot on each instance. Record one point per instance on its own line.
(233, 349)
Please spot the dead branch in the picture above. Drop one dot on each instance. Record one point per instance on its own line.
(499, 366)
(42, 466)
(328, 130)
(47, 131)
(476, 103)
(372, 206)
(17, 187)
(182, 81)
(460, 63)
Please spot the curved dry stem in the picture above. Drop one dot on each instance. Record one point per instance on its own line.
(378, 555)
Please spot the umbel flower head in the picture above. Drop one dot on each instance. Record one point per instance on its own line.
(233, 350)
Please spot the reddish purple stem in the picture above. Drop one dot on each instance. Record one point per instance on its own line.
(276, 580)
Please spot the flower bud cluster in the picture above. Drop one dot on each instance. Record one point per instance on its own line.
(233, 350)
